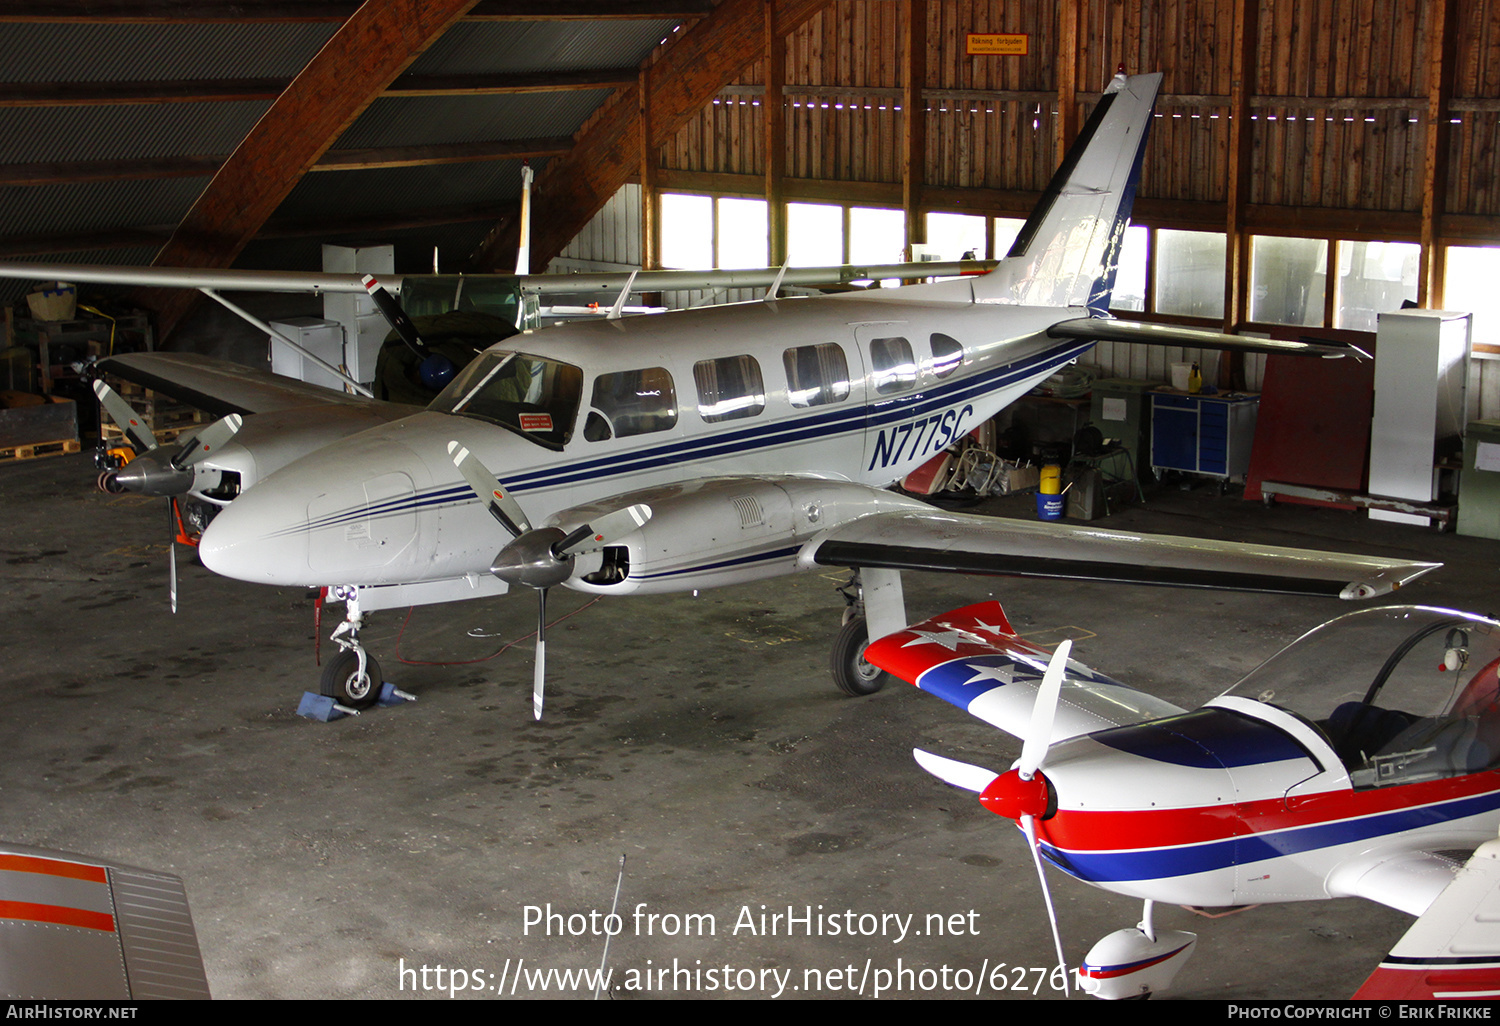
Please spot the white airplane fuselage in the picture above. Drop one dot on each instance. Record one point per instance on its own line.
(735, 495)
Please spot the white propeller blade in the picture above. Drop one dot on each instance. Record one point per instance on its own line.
(1029, 825)
(494, 495)
(539, 671)
(1039, 734)
(125, 418)
(951, 771)
(210, 439)
(605, 530)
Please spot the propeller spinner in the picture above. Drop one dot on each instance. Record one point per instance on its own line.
(540, 557)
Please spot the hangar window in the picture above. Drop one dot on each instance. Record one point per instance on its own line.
(713, 231)
(893, 367)
(1287, 280)
(1130, 275)
(1469, 284)
(956, 236)
(634, 402)
(729, 388)
(816, 375)
(814, 234)
(1189, 273)
(1374, 277)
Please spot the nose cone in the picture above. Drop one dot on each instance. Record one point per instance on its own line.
(346, 514)
(260, 537)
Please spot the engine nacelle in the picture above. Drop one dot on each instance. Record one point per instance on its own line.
(718, 531)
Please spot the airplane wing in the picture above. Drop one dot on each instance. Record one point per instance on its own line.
(221, 387)
(1109, 329)
(604, 282)
(973, 659)
(1453, 949)
(75, 928)
(965, 543)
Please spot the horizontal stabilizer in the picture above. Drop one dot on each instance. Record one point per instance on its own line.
(1108, 329)
(965, 543)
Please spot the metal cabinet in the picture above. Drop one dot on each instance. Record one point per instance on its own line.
(1203, 434)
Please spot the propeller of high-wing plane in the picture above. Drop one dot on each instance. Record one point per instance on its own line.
(540, 557)
(156, 471)
(1022, 794)
(435, 366)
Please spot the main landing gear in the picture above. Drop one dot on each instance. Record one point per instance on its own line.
(851, 673)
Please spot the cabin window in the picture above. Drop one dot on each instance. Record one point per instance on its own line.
(534, 397)
(633, 402)
(816, 375)
(947, 354)
(894, 368)
(729, 388)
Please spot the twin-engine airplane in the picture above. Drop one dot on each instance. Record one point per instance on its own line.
(713, 446)
(1363, 760)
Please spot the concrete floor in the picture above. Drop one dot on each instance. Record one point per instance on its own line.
(700, 738)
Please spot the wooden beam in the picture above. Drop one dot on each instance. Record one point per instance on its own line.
(773, 111)
(69, 173)
(361, 59)
(1441, 33)
(1067, 76)
(1241, 88)
(171, 12)
(650, 163)
(97, 94)
(914, 122)
(512, 83)
(692, 67)
(441, 153)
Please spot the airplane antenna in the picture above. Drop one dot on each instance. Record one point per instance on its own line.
(435, 260)
(619, 307)
(613, 909)
(770, 296)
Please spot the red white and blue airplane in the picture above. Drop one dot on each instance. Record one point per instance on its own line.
(1363, 760)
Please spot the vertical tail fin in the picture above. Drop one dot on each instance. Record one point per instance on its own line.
(1068, 249)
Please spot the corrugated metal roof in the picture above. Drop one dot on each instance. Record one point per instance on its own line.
(102, 53)
(124, 131)
(428, 120)
(474, 47)
(157, 53)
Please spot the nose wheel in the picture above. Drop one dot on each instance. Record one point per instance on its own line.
(352, 678)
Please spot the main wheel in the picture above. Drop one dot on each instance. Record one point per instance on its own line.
(851, 673)
(343, 682)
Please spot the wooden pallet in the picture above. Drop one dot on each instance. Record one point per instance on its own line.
(38, 449)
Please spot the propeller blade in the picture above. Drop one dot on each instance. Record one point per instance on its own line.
(539, 672)
(1028, 824)
(489, 490)
(951, 771)
(603, 531)
(125, 418)
(394, 315)
(210, 439)
(172, 554)
(1039, 734)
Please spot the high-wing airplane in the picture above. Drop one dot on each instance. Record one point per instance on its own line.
(1363, 760)
(750, 440)
(712, 446)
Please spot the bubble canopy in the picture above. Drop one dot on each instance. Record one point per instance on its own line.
(1402, 693)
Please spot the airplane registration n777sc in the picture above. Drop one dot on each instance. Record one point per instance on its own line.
(699, 448)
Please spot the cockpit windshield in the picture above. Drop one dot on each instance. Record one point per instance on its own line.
(1403, 693)
(534, 397)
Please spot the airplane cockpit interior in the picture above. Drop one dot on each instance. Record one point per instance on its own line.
(1403, 694)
